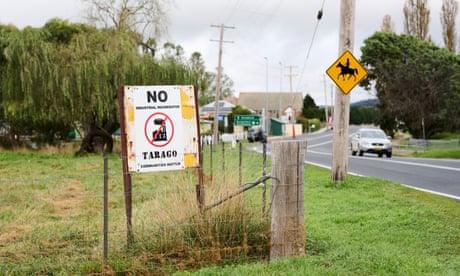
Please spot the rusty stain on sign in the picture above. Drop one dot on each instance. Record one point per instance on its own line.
(190, 119)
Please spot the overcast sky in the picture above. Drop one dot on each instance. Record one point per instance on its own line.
(273, 34)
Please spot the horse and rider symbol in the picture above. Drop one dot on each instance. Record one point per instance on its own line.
(346, 70)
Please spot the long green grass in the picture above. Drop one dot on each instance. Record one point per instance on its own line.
(51, 222)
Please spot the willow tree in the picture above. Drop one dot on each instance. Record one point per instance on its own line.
(49, 83)
(5, 32)
(28, 61)
(74, 81)
(65, 83)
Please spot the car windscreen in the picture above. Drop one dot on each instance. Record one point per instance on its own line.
(373, 134)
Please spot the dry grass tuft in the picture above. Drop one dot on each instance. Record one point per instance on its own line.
(176, 234)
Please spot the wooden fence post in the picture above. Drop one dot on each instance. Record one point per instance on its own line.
(287, 199)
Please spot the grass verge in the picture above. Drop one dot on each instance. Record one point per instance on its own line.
(368, 227)
(452, 153)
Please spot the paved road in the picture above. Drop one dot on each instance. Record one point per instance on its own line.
(438, 176)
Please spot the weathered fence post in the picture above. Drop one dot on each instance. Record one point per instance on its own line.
(287, 199)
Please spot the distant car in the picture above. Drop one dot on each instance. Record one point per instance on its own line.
(256, 136)
(371, 140)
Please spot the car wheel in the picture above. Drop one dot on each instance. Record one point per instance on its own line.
(389, 154)
(353, 153)
(380, 154)
(361, 153)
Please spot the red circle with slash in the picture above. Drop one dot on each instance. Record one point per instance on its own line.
(159, 129)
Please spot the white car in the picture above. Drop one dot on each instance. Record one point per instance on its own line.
(371, 140)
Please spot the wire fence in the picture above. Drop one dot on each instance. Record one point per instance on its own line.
(57, 217)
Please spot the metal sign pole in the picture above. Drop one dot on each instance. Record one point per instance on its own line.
(127, 182)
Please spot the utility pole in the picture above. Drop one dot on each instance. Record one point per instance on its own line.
(215, 138)
(266, 98)
(339, 169)
(290, 75)
(281, 89)
(292, 119)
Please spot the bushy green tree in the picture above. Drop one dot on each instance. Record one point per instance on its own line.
(309, 108)
(236, 110)
(364, 115)
(417, 83)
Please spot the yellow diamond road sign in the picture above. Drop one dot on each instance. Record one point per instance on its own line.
(346, 72)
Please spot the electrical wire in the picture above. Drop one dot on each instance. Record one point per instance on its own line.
(318, 19)
(231, 14)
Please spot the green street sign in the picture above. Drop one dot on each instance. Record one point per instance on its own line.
(247, 120)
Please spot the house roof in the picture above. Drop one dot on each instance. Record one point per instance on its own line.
(272, 100)
(224, 108)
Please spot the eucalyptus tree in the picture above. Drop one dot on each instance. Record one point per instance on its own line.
(203, 79)
(226, 86)
(417, 83)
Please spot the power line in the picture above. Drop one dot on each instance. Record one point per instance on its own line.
(318, 18)
(235, 7)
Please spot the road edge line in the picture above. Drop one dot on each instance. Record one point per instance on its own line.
(405, 185)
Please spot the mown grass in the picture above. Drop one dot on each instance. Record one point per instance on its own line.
(51, 222)
(453, 153)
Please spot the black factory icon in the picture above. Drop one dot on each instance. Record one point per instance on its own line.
(160, 132)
